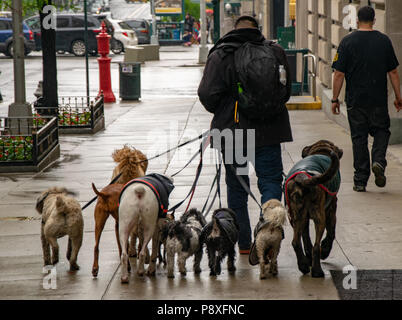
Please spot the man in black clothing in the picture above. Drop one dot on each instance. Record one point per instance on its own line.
(364, 58)
(217, 92)
(188, 23)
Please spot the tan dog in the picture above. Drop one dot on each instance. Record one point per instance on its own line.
(131, 163)
(311, 193)
(61, 216)
(269, 236)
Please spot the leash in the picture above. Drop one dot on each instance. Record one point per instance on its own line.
(244, 185)
(201, 136)
(218, 190)
(206, 141)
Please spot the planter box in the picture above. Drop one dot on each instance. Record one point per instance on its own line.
(76, 115)
(27, 145)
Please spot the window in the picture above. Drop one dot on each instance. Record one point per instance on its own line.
(34, 24)
(77, 22)
(136, 24)
(63, 22)
(4, 25)
(125, 26)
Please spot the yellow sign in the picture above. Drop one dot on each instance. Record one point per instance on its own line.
(168, 7)
(336, 57)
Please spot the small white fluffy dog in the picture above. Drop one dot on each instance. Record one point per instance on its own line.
(61, 216)
(139, 206)
(269, 236)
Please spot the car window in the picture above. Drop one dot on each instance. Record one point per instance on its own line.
(33, 23)
(63, 22)
(77, 22)
(93, 22)
(136, 24)
(4, 25)
(124, 25)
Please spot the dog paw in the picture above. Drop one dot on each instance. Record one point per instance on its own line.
(74, 267)
(212, 274)
(55, 261)
(318, 273)
(183, 273)
(197, 270)
(151, 273)
(124, 279)
(95, 272)
(140, 273)
(304, 268)
(263, 276)
(232, 269)
(170, 275)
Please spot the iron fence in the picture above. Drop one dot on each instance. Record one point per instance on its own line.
(26, 140)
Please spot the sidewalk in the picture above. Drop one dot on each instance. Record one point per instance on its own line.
(369, 229)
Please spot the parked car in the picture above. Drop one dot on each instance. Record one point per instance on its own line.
(123, 36)
(141, 28)
(70, 31)
(6, 37)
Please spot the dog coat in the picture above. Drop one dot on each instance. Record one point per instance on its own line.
(311, 166)
(160, 185)
(227, 224)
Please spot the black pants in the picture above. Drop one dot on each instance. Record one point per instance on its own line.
(365, 121)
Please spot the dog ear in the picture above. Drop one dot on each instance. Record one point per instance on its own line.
(306, 151)
(39, 202)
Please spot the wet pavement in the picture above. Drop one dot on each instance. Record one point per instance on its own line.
(369, 225)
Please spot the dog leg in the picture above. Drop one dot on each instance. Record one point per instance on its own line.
(170, 253)
(76, 243)
(273, 265)
(124, 233)
(148, 234)
(55, 249)
(68, 255)
(231, 260)
(211, 260)
(197, 261)
(262, 260)
(133, 242)
(326, 244)
(116, 231)
(45, 249)
(316, 270)
(100, 220)
(308, 246)
(181, 261)
(298, 228)
(218, 262)
(155, 247)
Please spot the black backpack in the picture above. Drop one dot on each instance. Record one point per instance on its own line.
(259, 92)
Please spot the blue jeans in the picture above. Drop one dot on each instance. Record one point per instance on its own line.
(269, 168)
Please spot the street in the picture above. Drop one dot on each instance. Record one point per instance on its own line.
(369, 226)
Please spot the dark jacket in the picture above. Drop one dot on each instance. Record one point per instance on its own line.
(160, 185)
(217, 91)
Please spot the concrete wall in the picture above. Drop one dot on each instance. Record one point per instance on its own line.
(320, 28)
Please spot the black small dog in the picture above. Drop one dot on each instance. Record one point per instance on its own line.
(183, 237)
(220, 237)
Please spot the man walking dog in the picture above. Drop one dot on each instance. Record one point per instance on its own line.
(364, 58)
(246, 84)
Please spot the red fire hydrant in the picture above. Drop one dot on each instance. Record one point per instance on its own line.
(105, 83)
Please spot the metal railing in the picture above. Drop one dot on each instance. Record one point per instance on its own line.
(25, 140)
(77, 111)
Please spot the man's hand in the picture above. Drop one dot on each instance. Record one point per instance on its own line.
(398, 104)
(336, 108)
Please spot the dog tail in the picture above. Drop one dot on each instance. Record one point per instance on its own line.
(139, 191)
(98, 193)
(278, 217)
(326, 176)
(60, 205)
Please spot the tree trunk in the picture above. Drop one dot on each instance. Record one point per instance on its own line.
(50, 96)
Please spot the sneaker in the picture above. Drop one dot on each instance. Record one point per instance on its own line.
(359, 188)
(380, 179)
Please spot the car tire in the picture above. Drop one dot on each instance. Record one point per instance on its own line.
(117, 47)
(78, 48)
(10, 50)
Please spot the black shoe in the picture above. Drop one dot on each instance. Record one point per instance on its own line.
(380, 179)
(359, 188)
